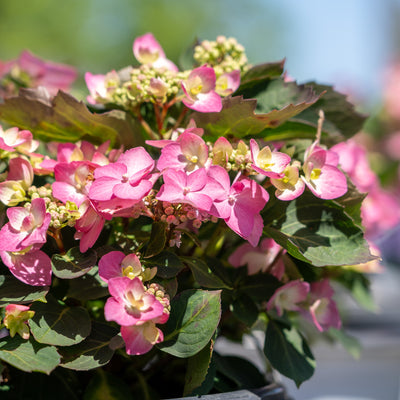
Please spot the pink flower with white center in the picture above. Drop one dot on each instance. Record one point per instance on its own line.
(199, 89)
(240, 205)
(188, 153)
(130, 303)
(88, 226)
(72, 183)
(196, 189)
(16, 318)
(147, 50)
(266, 257)
(116, 264)
(53, 76)
(101, 86)
(32, 267)
(323, 311)
(228, 83)
(19, 179)
(267, 162)
(26, 227)
(353, 160)
(290, 186)
(288, 296)
(128, 178)
(139, 339)
(14, 139)
(324, 180)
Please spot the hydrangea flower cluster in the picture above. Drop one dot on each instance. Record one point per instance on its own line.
(180, 231)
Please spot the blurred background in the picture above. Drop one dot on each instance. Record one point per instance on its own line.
(350, 44)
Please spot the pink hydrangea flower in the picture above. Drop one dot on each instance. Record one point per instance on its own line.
(199, 89)
(263, 258)
(228, 83)
(101, 87)
(290, 186)
(130, 304)
(16, 318)
(188, 153)
(267, 162)
(139, 339)
(26, 227)
(147, 50)
(323, 311)
(196, 189)
(21, 140)
(240, 204)
(128, 178)
(326, 181)
(288, 296)
(32, 267)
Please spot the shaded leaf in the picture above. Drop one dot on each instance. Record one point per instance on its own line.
(197, 369)
(106, 386)
(245, 309)
(194, 318)
(74, 263)
(260, 73)
(59, 325)
(168, 264)
(93, 352)
(203, 275)
(87, 287)
(65, 119)
(158, 238)
(28, 355)
(288, 352)
(316, 231)
(259, 286)
(14, 291)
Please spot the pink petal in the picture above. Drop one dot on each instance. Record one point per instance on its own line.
(205, 102)
(136, 341)
(110, 265)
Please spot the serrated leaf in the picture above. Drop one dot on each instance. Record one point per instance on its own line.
(73, 264)
(14, 291)
(288, 352)
(316, 231)
(93, 352)
(158, 238)
(65, 119)
(168, 264)
(106, 386)
(59, 325)
(197, 369)
(260, 73)
(28, 355)
(238, 118)
(203, 275)
(194, 318)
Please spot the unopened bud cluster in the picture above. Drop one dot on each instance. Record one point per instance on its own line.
(224, 54)
(159, 292)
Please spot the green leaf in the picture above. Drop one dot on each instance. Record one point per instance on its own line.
(245, 309)
(350, 343)
(87, 287)
(288, 352)
(316, 231)
(65, 119)
(203, 275)
(106, 386)
(260, 73)
(168, 264)
(93, 352)
(28, 355)
(238, 118)
(59, 325)
(259, 286)
(241, 371)
(194, 318)
(14, 291)
(158, 238)
(197, 369)
(74, 263)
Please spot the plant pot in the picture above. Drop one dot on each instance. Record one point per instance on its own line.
(272, 391)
